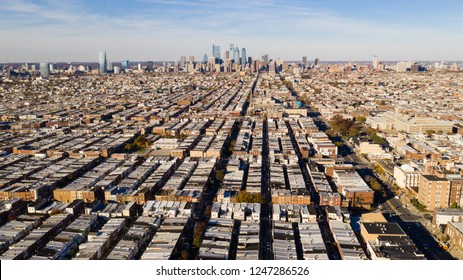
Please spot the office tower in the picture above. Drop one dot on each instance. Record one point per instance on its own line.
(150, 65)
(44, 69)
(304, 61)
(8, 72)
(139, 66)
(375, 63)
(232, 51)
(117, 70)
(249, 60)
(191, 59)
(103, 62)
(227, 55)
(265, 59)
(272, 68)
(243, 56)
(316, 61)
(205, 58)
(216, 52)
(125, 64)
(236, 55)
(182, 61)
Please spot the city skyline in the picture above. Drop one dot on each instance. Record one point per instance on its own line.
(164, 30)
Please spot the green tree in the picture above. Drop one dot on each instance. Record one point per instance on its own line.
(377, 140)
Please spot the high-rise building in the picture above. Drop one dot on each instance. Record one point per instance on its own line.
(236, 55)
(150, 65)
(316, 61)
(265, 58)
(434, 192)
(191, 59)
(216, 52)
(182, 61)
(205, 58)
(375, 63)
(125, 64)
(243, 56)
(304, 61)
(44, 69)
(227, 55)
(232, 51)
(103, 62)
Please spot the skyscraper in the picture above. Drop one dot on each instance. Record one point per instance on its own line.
(125, 64)
(150, 65)
(243, 56)
(316, 61)
(232, 51)
(205, 58)
(216, 52)
(265, 59)
(236, 55)
(44, 69)
(304, 61)
(375, 63)
(182, 61)
(103, 62)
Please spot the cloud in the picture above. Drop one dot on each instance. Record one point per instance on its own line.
(160, 30)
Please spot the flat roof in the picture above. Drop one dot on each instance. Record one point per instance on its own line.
(434, 178)
(384, 228)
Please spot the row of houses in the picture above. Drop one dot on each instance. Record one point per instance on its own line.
(38, 238)
(237, 211)
(217, 240)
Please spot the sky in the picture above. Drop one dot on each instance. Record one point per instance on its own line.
(160, 30)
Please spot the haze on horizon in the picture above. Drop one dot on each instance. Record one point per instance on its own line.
(140, 30)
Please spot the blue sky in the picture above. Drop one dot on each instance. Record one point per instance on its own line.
(75, 30)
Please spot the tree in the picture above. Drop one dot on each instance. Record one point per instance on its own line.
(453, 205)
(378, 140)
(379, 170)
(360, 119)
(338, 144)
(199, 230)
(330, 132)
(245, 197)
(444, 238)
(185, 255)
(430, 132)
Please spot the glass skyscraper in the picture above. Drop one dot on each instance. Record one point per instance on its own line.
(236, 55)
(243, 56)
(44, 69)
(216, 52)
(103, 62)
(125, 64)
(232, 51)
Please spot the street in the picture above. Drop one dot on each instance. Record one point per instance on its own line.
(394, 211)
